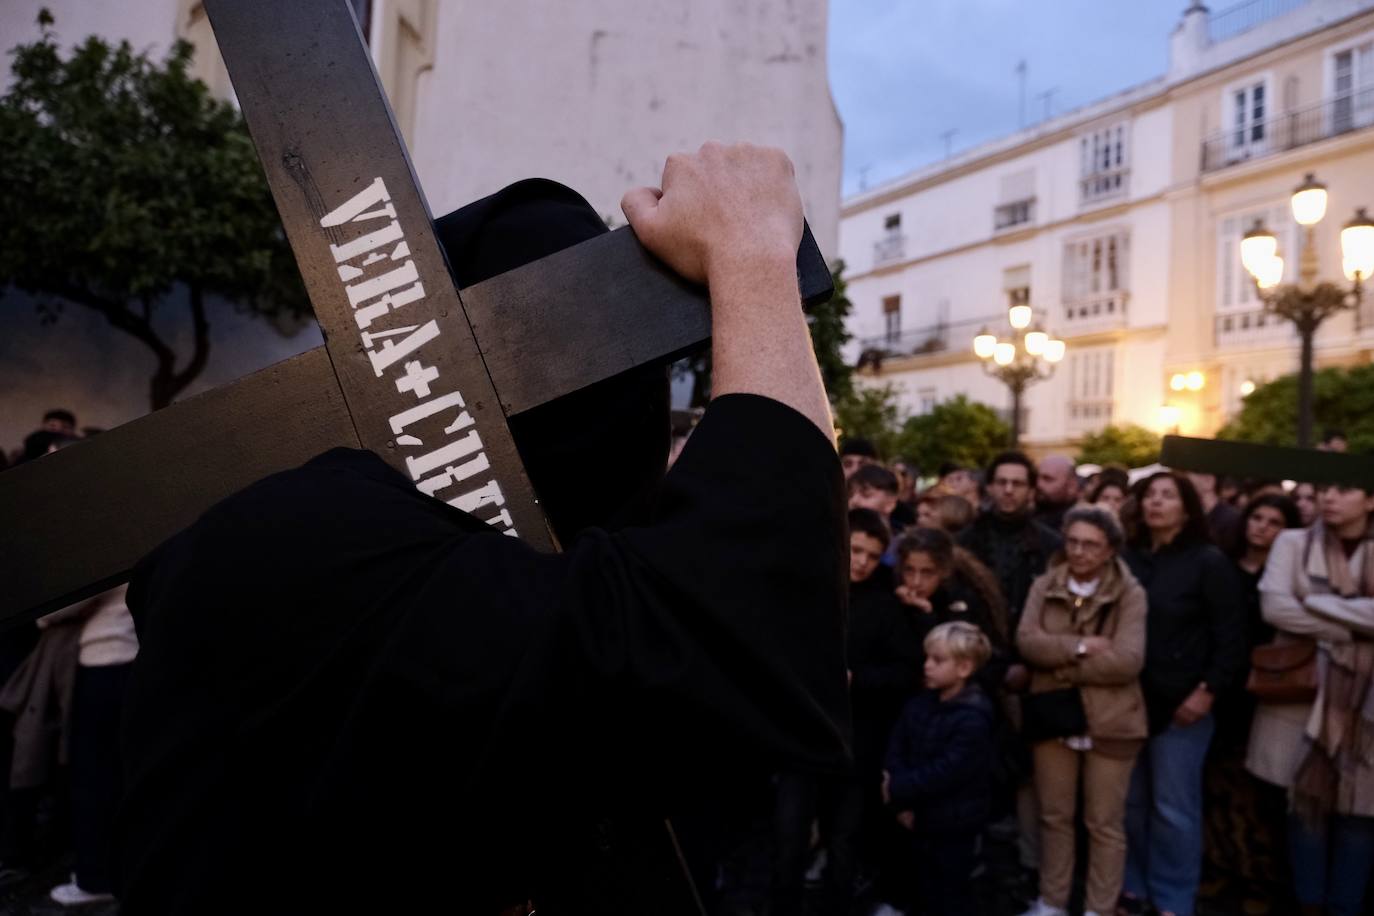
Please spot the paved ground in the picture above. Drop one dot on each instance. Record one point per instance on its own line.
(30, 898)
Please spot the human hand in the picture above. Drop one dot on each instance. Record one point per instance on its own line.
(721, 208)
(1195, 707)
(1096, 645)
(1017, 678)
(886, 788)
(908, 596)
(907, 819)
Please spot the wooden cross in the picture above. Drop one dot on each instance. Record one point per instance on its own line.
(410, 370)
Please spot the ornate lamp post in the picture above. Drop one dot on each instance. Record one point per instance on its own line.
(1030, 356)
(1309, 302)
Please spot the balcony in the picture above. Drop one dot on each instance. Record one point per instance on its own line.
(888, 249)
(948, 337)
(1331, 118)
(1014, 215)
(1104, 186)
(1093, 314)
(1243, 17)
(1089, 416)
(1252, 329)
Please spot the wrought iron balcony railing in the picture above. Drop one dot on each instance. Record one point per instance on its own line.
(1335, 116)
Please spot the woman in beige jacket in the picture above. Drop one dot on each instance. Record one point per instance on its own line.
(1084, 627)
(1319, 585)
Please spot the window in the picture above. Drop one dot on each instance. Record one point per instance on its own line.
(891, 245)
(1091, 385)
(1013, 214)
(1095, 275)
(1015, 201)
(1016, 283)
(1103, 163)
(892, 318)
(1352, 84)
(925, 398)
(1245, 121)
(1235, 288)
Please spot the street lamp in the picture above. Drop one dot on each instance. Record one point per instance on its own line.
(1029, 356)
(1309, 302)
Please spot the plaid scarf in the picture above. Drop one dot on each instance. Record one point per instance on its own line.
(1334, 776)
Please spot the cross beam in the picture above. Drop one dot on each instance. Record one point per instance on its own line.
(1249, 459)
(545, 330)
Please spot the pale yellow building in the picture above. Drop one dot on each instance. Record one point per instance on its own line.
(1245, 135)
(1119, 223)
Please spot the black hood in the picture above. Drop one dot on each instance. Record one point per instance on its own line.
(595, 457)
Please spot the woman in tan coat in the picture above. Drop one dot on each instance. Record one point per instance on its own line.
(1083, 629)
(1319, 586)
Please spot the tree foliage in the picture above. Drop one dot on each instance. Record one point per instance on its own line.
(958, 430)
(1342, 399)
(1128, 444)
(129, 189)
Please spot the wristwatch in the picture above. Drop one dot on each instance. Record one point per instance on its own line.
(1082, 650)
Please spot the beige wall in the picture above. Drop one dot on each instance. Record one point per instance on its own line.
(1298, 74)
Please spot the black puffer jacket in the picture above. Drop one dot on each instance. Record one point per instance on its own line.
(1195, 629)
(1016, 548)
(940, 760)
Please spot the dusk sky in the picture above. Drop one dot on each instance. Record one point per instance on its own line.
(905, 71)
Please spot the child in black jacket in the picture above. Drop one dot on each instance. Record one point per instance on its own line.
(938, 769)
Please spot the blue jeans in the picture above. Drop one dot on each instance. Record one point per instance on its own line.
(1331, 864)
(1164, 818)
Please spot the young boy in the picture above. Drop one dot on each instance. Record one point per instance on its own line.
(875, 487)
(938, 768)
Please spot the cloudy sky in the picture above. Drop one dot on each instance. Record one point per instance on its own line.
(905, 71)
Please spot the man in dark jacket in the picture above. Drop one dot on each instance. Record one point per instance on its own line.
(1005, 537)
(352, 697)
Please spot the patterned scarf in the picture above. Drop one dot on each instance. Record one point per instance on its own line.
(1334, 775)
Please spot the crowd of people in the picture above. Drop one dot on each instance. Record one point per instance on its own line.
(1095, 694)
(62, 681)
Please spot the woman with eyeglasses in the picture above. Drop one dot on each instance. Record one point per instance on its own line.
(1082, 634)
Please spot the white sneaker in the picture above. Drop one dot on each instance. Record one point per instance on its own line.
(71, 894)
(1041, 908)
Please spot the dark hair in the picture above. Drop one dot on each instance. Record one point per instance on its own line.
(1013, 457)
(1100, 519)
(932, 541)
(1292, 518)
(871, 523)
(1103, 482)
(875, 476)
(1254, 484)
(57, 413)
(858, 446)
(956, 561)
(37, 444)
(949, 467)
(1195, 518)
(955, 512)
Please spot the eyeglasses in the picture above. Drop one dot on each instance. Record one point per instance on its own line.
(1010, 483)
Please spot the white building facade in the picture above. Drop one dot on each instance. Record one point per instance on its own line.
(1085, 217)
(593, 95)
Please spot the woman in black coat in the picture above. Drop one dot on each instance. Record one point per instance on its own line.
(1195, 648)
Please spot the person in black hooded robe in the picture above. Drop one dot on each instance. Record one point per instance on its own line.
(352, 697)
